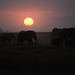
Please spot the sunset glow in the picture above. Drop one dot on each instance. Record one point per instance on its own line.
(37, 15)
(28, 21)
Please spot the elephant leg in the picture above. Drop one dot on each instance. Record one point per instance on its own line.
(30, 42)
(14, 41)
(18, 42)
(35, 42)
(9, 41)
(21, 42)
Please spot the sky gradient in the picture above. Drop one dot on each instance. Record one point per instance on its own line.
(47, 14)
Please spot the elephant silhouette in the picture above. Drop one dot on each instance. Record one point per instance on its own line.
(26, 36)
(65, 34)
(7, 37)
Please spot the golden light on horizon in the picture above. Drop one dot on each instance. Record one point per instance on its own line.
(28, 21)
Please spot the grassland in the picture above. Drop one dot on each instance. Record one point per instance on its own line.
(40, 59)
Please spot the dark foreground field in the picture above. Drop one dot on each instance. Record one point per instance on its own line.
(42, 59)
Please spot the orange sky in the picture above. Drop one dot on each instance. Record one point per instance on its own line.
(15, 19)
(46, 14)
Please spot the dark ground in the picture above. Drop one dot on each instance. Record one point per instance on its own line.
(42, 59)
(36, 60)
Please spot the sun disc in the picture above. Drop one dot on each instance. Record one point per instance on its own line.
(28, 21)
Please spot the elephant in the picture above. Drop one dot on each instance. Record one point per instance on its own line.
(65, 34)
(26, 36)
(56, 41)
(68, 34)
(7, 37)
(55, 32)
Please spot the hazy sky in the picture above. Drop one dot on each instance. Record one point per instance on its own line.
(47, 14)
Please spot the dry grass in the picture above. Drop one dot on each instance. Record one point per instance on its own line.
(40, 59)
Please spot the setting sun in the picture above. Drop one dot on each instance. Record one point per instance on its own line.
(28, 21)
